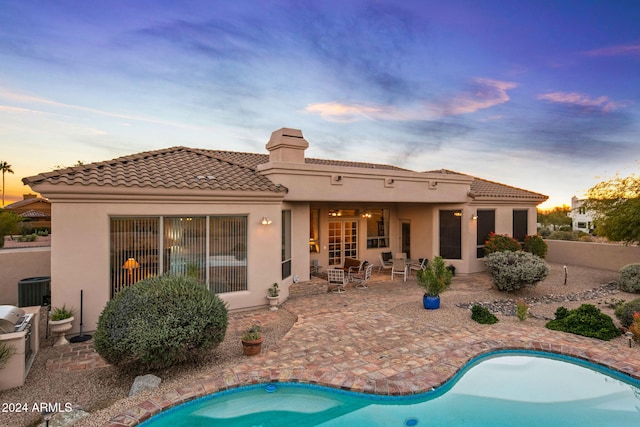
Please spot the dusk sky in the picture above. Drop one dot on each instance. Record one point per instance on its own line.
(542, 95)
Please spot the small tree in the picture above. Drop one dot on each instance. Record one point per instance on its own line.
(616, 207)
(5, 168)
(436, 278)
(8, 225)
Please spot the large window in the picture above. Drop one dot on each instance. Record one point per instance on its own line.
(135, 250)
(520, 221)
(185, 243)
(227, 253)
(486, 223)
(451, 234)
(377, 227)
(211, 249)
(286, 244)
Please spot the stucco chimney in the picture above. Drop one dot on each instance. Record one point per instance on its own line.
(287, 145)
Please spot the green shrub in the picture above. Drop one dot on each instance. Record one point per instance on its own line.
(624, 313)
(6, 351)
(511, 271)
(28, 238)
(482, 315)
(522, 310)
(544, 232)
(159, 322)
(586, 320)
(567, 235)
(535, 245)
(499, 243)
(629, 278)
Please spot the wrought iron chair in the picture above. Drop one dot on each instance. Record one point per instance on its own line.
(362, 278)
(338, 279)
(422, 266)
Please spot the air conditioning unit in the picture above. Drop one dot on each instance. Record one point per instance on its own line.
(34, 291)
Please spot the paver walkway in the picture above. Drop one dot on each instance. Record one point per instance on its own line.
(354, 341)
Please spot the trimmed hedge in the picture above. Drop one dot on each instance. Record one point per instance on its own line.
(629, 278)
(511, 271)
(586, 320)
(159, 322)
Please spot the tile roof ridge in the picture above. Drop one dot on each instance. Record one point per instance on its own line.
(208, 153)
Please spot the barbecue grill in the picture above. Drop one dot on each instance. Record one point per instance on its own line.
(13, 319)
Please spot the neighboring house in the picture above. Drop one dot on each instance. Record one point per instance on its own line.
(582, 219)
(241, 221)
(35, 210)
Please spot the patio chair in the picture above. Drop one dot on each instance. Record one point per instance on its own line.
(385, 261)
(422, 266)
(338, 279)
(399, 267)
(352, 267)
(362, 279)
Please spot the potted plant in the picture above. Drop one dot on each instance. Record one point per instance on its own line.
(434, 280)
(252, 341)
(60, 323)
(273, 294)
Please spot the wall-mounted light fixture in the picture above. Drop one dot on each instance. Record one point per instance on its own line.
(474, 217)
(457, 213)
(265, 221)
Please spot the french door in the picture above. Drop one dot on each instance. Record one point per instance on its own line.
(343, 241)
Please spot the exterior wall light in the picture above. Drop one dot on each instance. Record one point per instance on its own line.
(265, 221)
(474, 217)
(457, 213)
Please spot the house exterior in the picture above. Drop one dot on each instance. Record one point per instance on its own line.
(240, 222)
(582, 219)
(35, 210)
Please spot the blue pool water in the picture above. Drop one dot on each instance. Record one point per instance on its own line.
(499, 389)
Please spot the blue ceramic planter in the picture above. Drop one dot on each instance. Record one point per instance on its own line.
(430, 303)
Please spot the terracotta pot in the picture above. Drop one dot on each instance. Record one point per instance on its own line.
(60, 327)
(251, 348)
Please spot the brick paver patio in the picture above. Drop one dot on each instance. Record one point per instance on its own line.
(353, 341)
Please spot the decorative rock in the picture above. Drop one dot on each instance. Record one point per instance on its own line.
(144, 382)
(507, 307)
(63, 419)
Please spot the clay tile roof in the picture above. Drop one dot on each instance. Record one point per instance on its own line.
(31, 213)
(175, 167)
(252, 160)
(25, 202)
(489, 189)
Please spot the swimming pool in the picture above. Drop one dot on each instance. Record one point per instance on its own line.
(503, 388)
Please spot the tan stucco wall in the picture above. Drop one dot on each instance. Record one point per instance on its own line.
(80, 250)
(18, 264)
(595, 255)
